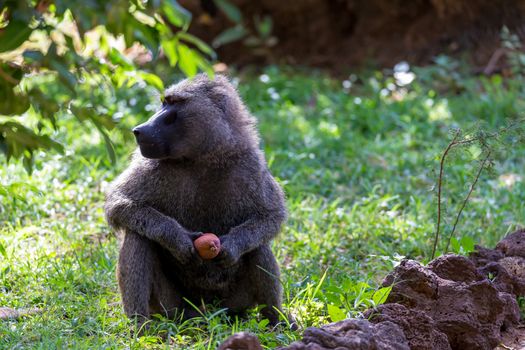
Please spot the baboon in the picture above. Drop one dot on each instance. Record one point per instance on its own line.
(199, 170)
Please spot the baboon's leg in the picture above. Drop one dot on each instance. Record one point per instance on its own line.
(166, 298)
(260, 285)
(135, 275)
(266, 285)
(144, 288)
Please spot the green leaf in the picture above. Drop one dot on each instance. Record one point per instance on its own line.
(264, 26)
(380, 295)
(187, 61)
(13, 103)
(27, 161)
(3, 146)
(145, 34)
(64, 74)
(203, 64)
(47, 106)
(31, 56)
(15, 72)
(263, 323)
(335, 313)
(2, 250)
(152, 79)
(467, 243)
(110, 148)
(201, 45)
(82, 114)
(87, 113)
(90, 113)
(19, 139)
(170, 50)
(455, 245)
(14, 35)
(176, 14)
(496, 79)
(231, 11)
(117, 58)
(230, 35)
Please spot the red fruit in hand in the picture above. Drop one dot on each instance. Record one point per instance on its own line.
(208, 246)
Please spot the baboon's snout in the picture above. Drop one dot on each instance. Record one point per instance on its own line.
(142, 134)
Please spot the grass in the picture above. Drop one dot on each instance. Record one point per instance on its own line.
(357, 160)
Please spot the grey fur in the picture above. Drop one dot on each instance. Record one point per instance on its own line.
(212, 177)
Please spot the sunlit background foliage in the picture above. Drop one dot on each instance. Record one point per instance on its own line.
(87, 51)
(356, 156)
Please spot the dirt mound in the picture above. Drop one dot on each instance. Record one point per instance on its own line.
(419, 328)
(353, 334)
(505, 265)
(513, 244)
(455, 302)
(463, 304)
(241, 341)
(339, 33)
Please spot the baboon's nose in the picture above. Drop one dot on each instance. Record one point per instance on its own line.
(139, 134)
(142, 134)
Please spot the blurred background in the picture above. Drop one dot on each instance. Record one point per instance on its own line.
(123, 43)
(356, 102)
(345, 34)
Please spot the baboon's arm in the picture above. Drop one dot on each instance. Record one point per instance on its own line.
(269, 213)
(123, 212)
(256, 231)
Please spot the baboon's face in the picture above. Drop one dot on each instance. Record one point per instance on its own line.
(188, 124)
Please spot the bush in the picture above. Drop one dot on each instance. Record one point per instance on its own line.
(56, 56)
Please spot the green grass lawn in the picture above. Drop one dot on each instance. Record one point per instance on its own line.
(358, 162)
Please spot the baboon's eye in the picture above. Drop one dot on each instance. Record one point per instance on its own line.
(170, 118)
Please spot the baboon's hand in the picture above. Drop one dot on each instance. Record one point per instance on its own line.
(183, 250)
(194, 235)
(229, 254)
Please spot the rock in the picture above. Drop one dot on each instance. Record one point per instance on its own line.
(241, 341)
(413, 285)
(512, 311)
(10, 313)
(513, 244)
(455, 268)
(483, 256)
(507, 275)
(505, 265)
(353, 334)
(499, 277)
(515, 266)
(513, 339)
(455, 303)
(467, 308)
(419, 329)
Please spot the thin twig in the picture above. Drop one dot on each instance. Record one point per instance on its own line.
(453, 143)
(440, 181)
(467, 199)
(491, 135)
